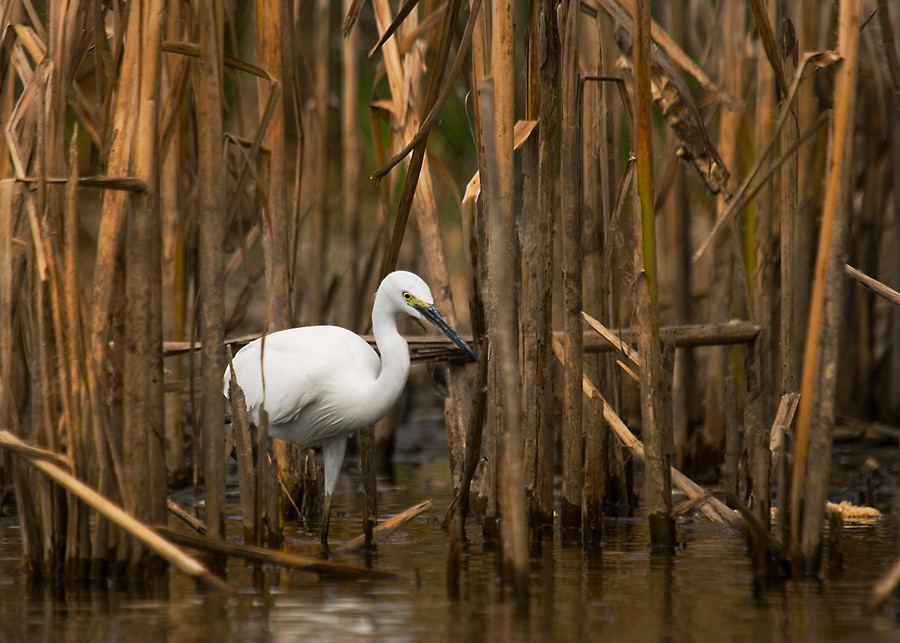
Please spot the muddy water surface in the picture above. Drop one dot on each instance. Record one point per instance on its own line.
(704, 592)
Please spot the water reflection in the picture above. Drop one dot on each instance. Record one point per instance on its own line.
(623, 592)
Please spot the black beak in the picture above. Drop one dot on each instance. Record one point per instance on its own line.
(431, 314)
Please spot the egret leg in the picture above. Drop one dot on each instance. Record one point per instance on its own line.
(333, 452)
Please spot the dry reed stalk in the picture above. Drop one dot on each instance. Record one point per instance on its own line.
(122, 518)
(243, 446)
(211, 185)
(351, 172)
(106, 282)
(352, 9)
(760, 251)
(780, 470)
(678, 244)
(571, 196)
(731, 332)
(531, 394)
(473, 239)
(47, 389)
(714, 509)
(194, 523)
(504, 264)
(893, 59)
(382, 531)
(317, 235)
(733, 440)
(656, 427)
(293, 73)
(11, 265)
(595, 206)
(324, 568)
(76, 358)
(366, 441)
(813, 447)
(537, 260)
(142, 448)
(809, 17)
(618, 493)
(874, 285)
(174, 161)
(270, 17)
(789, 223)
(727, 251)
(500, 310)
(269, 20)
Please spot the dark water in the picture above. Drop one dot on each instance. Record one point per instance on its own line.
(705, 592)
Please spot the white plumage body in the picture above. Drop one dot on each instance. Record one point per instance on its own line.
(318, 382)
(322, 383)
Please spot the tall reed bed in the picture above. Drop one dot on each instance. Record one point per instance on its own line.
(644, 221)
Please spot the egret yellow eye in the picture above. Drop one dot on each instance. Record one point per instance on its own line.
(407, 296)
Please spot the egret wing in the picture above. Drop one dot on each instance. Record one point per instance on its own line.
(306, 371)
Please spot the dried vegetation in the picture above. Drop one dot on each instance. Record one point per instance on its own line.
(692, 184)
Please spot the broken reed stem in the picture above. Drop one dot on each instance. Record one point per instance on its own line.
(778, 448)
(119, 516)
(194, 523)
(874, 285)
(324, 568)
(380, 532)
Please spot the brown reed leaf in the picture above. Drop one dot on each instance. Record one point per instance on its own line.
(767, 36)
(122, 183)
(350, 18)
(193, 50)
(402, 13)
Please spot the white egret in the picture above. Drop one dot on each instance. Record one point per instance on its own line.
(322, 383)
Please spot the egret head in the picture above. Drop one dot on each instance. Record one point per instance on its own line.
(408, 293)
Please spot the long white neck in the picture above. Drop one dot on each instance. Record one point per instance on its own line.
(394, 357)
